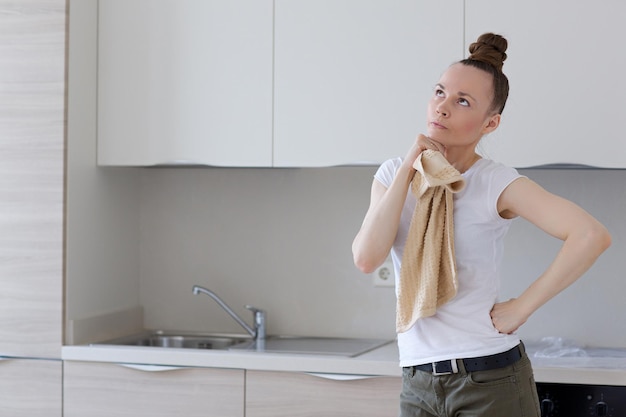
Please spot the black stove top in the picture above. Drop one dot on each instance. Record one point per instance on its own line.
(574, 400)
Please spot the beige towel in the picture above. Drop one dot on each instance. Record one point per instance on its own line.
(428, 274)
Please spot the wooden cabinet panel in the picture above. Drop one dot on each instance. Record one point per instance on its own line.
(564, 64)
(185, 81)
(30, 388)
(93, 389)
(288, 394)
(32, 59)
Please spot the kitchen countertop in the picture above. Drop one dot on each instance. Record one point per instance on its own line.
(382, 361)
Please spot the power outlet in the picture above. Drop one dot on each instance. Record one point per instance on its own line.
(383, 276)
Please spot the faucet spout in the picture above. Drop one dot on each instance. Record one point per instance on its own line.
(258, 332)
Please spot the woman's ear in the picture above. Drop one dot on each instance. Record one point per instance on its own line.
(492, 123)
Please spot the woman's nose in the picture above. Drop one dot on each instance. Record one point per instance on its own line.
(442, 110)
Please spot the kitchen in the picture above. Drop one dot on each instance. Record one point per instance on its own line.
(138, 239)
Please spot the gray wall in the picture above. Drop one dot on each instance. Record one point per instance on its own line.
(280, 239)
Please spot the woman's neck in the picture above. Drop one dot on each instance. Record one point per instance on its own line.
(462, 161)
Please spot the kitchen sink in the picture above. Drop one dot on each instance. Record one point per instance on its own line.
(243, 343)
(165, 339)
(338, 346)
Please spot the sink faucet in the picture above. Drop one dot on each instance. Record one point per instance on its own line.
(257, 332)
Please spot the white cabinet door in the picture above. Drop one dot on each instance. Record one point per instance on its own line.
(565, 64)
(31, 388)
(288, 394)
(185, 81)
(353, 77)
(92, 389)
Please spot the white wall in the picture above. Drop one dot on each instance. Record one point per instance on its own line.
(280, 239)
(102, 267)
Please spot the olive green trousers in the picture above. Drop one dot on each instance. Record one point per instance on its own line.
(503, 392)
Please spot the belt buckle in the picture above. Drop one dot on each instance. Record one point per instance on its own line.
(453, 365)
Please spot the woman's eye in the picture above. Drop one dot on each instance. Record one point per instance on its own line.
(439, 92)
(464, 102)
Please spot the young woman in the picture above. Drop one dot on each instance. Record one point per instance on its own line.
(466, 360)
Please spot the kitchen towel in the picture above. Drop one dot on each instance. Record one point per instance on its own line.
(428, 274)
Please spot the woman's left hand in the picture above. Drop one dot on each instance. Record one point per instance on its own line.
(507, 317)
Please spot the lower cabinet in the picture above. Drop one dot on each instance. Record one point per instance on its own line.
(30, 388)
(288, 394)
(93, 389)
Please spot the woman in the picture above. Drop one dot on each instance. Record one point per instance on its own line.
(438, 353)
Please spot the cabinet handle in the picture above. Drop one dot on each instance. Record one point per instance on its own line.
(178, 162)
(150, 368)
(341, 377)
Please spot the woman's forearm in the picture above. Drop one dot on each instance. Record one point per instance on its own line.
(373, 242)
(577, 255)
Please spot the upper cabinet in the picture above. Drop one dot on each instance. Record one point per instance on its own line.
(353, 77)
(299, 83)
(565, 61)
(185, 81)
(215, 83)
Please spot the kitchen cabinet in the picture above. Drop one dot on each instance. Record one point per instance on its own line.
(92, 389)
(325, 83)
(185, 82)
(204, 82)
(32, 62)
(278, 394)
(30, 388)
(32, 81)
(353, 77)
(564, 65)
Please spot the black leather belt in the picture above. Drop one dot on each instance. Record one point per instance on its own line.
(483, 363)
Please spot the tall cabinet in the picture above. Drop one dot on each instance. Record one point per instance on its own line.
(32, 81)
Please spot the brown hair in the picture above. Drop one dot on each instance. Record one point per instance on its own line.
(488, 53)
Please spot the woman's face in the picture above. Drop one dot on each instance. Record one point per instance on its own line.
(459, 109)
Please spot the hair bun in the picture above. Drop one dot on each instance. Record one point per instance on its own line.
(489, 48)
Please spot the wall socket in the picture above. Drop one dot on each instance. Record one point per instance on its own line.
(383, 276)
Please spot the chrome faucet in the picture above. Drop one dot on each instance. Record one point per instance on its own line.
(257, 332)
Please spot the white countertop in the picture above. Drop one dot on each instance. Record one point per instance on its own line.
(382, 361)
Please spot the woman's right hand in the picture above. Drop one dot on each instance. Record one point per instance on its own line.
(422, 142)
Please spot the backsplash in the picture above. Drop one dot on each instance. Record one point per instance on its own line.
(280, 239)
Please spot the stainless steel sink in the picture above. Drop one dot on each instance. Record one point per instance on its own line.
(337, 346)
(244, 343)
(165, 339)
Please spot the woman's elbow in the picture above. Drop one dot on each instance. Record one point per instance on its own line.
(599, 237)
(367, 256)
(604, 238)
(364, 263)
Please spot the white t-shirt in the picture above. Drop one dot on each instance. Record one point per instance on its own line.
(461, 328)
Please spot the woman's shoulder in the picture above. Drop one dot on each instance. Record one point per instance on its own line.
(391, 163)
(492, 174)
(387, 171)
(487, 168)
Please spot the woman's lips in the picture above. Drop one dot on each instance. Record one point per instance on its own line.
(437, 125)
